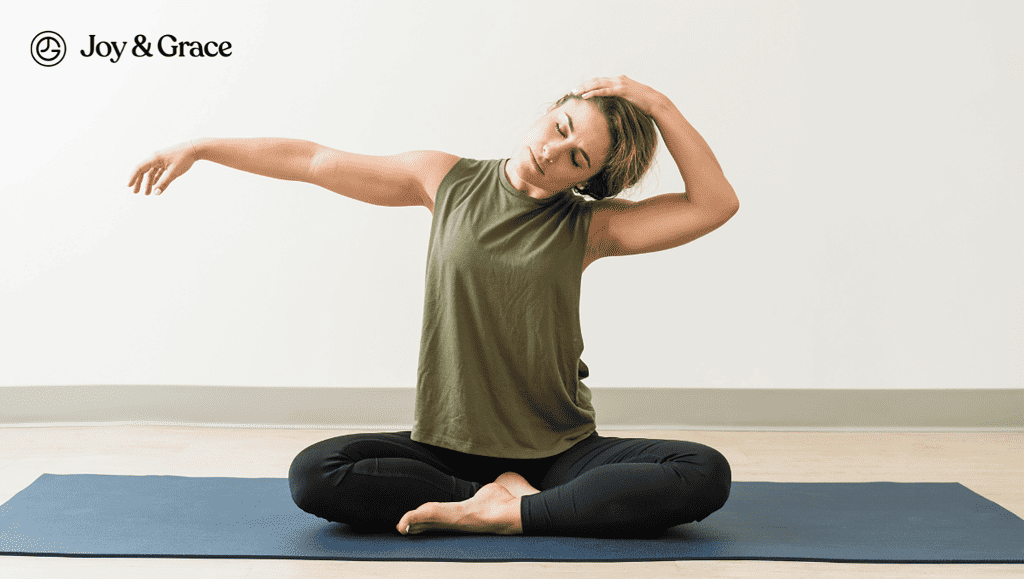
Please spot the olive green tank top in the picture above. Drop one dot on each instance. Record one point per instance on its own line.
(499, 368)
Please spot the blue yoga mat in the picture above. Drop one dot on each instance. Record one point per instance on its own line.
(90, 515)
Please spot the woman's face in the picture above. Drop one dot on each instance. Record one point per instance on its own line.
(564, 148)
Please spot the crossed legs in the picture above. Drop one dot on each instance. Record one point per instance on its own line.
(602, 486)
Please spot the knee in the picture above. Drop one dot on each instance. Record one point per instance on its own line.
(717, 480)
(704, 481)
(302, 478)
(314, 473)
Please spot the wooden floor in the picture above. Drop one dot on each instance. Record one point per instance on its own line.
(988, 463)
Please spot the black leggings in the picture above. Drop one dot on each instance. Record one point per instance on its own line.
(601, 487)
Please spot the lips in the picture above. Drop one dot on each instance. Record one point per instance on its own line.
(535, 163)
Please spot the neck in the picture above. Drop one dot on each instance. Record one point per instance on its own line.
(520, 185)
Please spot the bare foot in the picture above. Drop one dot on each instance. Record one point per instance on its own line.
(516, 484)
(493, 509)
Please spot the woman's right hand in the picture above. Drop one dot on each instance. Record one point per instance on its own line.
(163, 167)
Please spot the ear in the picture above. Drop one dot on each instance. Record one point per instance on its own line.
(576, 187)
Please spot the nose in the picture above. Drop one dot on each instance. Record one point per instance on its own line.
(551, 151)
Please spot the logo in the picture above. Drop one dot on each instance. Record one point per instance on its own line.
(48, 48)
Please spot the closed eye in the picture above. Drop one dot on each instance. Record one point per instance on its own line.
(559, 129)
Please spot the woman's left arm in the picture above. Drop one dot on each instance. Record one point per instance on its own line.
(622, 227)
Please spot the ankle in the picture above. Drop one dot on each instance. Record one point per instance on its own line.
(516, 484)
(510, 519)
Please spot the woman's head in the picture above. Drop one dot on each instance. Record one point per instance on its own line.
(633, 141)
(596, 147)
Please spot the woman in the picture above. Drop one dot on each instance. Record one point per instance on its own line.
(504, 438)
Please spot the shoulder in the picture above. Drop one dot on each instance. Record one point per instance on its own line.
(430, 162)
(430, 168)
(466, 174)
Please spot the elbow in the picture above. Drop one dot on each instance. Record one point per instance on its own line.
(727, 213)
(734, 202)
(724, 199)
(731, 208)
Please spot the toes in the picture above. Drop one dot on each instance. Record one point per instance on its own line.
(427, 516)
(404, 525)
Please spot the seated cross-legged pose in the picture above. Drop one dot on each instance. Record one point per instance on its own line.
(505, 439)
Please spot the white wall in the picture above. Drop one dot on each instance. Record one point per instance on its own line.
(876, 149)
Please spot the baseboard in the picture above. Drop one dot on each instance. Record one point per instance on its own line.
(617, 408)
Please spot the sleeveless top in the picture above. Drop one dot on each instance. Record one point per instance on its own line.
(499, 365)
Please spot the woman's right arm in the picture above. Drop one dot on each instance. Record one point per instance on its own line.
(397, 180)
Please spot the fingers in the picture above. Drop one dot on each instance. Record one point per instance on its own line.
(140, 174)
(601, 86)
(596, 93)
(163, 178)
(147, 179)
(136, 179)
(149, 173)
(593, 87)
(156, 173)
(642, 96)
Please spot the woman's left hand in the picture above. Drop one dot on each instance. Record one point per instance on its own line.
(640, 95)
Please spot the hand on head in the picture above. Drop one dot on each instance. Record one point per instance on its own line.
(643, 96)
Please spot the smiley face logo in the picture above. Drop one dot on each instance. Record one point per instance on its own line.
(48, 48)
